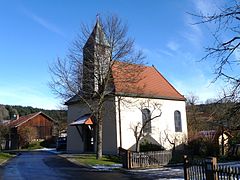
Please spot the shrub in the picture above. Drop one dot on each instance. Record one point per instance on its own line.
(147, 146)
(203, 147)
(49, 143)
(32, 145)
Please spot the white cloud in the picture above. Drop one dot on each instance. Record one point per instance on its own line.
(154, 54)
(173, 45)
(43, 22)
(165, 52)
(207, 7)
(193, 32)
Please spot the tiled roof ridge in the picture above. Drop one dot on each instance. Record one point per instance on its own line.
(21, 119)
(130, 63)
(171, 93)
(166, 80)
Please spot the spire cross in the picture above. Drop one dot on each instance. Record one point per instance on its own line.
(97, 16)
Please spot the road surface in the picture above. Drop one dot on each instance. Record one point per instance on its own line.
(43, 165)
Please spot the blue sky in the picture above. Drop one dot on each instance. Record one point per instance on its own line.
(34, 33)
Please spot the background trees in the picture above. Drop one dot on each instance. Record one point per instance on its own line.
(4, 114)
(4, 131)
(86, 72)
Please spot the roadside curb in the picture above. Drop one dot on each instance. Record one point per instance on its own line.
(104, 168)
(74, 161)
(7, 160)
(4, 162)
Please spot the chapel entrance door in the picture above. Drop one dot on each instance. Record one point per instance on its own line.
(89, 140)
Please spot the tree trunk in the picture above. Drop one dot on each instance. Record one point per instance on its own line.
(137, 145)
(99, 136)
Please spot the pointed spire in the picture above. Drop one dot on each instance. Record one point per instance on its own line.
(97, 35)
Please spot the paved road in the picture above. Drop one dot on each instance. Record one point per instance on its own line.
(47, 166)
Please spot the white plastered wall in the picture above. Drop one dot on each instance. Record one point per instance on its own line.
(74, 141)
(131, 115)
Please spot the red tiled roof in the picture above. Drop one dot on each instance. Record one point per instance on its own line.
(139, 81)
(23, 119)
(142, 81)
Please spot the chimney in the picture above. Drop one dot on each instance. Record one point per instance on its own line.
(16, 116)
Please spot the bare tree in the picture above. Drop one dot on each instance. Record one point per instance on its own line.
(192, 99)
(150, 111)
(193, 118)
(4, 131)
(26, 135)
(87, 72)
(174, 138)
(225, 51)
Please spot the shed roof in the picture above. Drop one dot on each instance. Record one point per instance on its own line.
(23, 119)
(85, 119)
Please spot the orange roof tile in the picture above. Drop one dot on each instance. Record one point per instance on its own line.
(139, 81)
(142, 81)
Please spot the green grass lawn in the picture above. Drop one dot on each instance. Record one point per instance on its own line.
(91, 160)
(4, 156)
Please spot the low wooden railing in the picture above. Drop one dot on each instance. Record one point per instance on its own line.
(208, 169)
(145, 159)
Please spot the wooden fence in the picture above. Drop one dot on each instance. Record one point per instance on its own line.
(145, 159)
(209, 169)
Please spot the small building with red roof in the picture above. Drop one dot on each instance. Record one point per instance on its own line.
(136, 93)
(32, 127)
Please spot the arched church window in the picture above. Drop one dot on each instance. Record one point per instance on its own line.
(178, 121)
(146, 120)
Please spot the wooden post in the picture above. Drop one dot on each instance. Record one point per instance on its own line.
(185, 166)
(129, 160)
(125, 157)
(210, 164)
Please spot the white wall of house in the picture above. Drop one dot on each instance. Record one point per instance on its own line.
(109, 128)
(74, 141)
(131, 115)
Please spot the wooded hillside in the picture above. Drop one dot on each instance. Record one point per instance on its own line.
(213, 116)
(8, 112)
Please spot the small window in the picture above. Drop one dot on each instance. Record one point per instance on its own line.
(178, 121)
(146, 121)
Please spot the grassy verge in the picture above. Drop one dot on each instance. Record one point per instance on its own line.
(34, 145)
(91, 160)
(4, 157)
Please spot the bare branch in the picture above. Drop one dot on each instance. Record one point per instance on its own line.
(224, 52)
